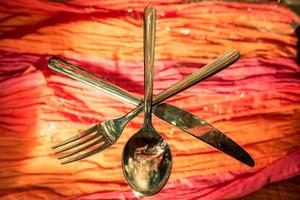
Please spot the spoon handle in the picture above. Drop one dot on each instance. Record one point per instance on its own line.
(149, 43)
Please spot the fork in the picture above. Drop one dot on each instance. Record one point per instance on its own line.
(109, 131)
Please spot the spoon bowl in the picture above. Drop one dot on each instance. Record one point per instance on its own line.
(147, 162)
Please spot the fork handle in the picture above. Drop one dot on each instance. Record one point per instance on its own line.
(205, 72)
(82, 75)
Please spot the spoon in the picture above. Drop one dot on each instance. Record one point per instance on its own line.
(147, 159)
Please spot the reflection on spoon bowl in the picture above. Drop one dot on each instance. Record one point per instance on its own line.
(147, 162)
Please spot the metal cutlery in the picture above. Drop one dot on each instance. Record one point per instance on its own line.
(147, 160)
(187, 122)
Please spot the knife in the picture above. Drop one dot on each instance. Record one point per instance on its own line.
(179, 118)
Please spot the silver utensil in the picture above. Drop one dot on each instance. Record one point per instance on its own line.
(187, 122)
(108, 132)
(147, 159)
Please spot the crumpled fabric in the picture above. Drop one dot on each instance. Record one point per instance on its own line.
(256, 101)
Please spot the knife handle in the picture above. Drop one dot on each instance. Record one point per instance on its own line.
(82, 75)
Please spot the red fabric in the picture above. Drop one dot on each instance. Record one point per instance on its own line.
(256, 101)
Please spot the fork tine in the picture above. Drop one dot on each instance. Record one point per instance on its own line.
(77, 144)
(90, 153)
(76, 137)
(82, 148)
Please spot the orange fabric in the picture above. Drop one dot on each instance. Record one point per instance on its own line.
(121, 38)
(255, 102)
